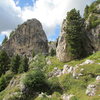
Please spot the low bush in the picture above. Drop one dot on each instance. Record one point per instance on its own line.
(54, 85)
(4, 80)
(36, 81)
(39, 62)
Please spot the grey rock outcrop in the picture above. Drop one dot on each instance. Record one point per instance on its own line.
(94, 36)
(91, 89)
(61, 51)
(93, 31)
(91, 37)
(27, 38)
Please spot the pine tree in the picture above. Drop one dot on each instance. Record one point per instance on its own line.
(24, 65)
(15, 63)
(86, 12)
(52, 52)
(75, 34)
(4, 62)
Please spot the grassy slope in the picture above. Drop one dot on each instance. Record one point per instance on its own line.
(70, 85)
(78, 86)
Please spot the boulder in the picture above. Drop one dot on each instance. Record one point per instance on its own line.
(98, 78)
(87, 62)
(67, 69)
(91, 89)
(55, 73)
(67, 97)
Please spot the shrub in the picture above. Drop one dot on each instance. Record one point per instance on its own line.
(55, 85)
(23, 65)
(39, 62)
(4, 80)
(2, 83)
(36, 81)
(52, 52)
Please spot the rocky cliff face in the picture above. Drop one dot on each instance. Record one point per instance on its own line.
(27, 38)
(92, 36)
(93, 27)
(61, 50)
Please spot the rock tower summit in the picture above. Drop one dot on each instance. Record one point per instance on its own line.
(27, 38)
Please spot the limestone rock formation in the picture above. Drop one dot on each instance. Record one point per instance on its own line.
(93, 27)
(27, 38)
(91, 42)
(61, 50)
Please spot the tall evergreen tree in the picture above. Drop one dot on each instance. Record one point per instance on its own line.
(24, 65)
(86, 12)
(75, 34)
(4, 62)
(15, 63)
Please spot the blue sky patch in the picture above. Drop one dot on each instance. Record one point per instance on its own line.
(23, 3)
(1, 38)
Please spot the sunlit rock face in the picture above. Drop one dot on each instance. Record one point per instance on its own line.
(93, 30)
(27, 38)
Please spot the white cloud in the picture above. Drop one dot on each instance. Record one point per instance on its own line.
(0, 43)
(10, 15)
(50, 12)
(7, 33)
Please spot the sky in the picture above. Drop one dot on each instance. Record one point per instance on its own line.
(49, 12)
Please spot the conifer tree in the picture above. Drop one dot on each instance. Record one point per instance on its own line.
(4, 62)
(24, 65)
(75, 34)
(86, 12)
(15, 63)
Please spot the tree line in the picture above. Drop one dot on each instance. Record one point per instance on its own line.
(16, 63)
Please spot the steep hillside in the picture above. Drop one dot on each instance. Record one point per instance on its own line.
(79, 79)
(92, 16)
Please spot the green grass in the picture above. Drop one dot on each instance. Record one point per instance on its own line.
(54, 63)
(68, 84)
(78, 87)
(9, 90)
